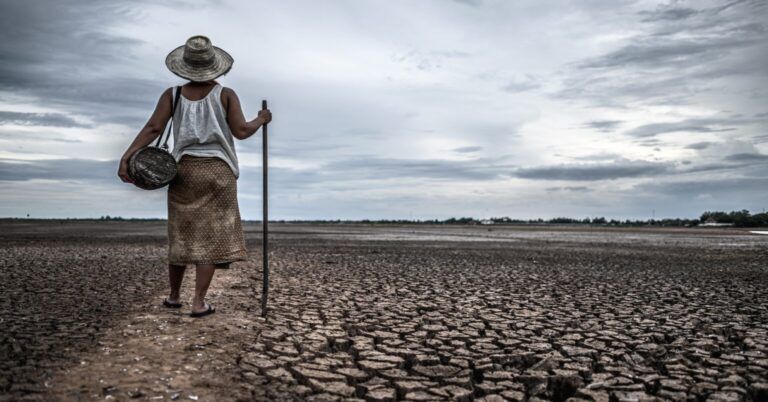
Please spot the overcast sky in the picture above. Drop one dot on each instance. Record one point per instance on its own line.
(404, 109)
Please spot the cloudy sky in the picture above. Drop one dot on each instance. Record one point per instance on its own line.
(404, 109)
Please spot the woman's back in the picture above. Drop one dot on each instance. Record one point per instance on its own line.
(200, 125)
(196, 91)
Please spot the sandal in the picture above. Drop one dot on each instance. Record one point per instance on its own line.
(171, 304)
(210, 310)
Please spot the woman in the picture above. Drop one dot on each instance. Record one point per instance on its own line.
(204, 226)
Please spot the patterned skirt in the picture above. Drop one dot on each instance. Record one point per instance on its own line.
(204, 224)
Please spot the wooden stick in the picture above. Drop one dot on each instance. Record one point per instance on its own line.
(265, 219)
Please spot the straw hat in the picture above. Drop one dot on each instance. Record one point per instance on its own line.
(198, 60)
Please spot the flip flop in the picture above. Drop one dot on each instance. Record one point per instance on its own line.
(210, 310)
(170, 304)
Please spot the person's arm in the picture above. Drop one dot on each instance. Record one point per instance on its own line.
(241, 128)
(154, 127)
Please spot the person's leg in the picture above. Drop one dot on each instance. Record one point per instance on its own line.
(203, 277)
(175, 277)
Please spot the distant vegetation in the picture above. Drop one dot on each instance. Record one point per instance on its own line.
(735, 218)
(710, 218)
(120, 218)
(738, 218)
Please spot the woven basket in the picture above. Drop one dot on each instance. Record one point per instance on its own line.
(151, 168)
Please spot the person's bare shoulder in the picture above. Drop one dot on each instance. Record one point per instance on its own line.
(228, 93)
(167, 94)
(165, 100)
(228, 96)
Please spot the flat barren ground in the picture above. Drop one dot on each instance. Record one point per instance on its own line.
(389, 313)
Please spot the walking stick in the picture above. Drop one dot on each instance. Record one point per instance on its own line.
(265, 219)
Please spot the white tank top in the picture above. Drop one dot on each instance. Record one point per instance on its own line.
(200, 128)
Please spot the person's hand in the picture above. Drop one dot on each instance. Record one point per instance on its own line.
(265, 116)
(122, 172)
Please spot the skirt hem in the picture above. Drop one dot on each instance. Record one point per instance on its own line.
(221, 261)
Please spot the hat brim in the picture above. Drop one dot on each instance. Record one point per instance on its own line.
(221, 65)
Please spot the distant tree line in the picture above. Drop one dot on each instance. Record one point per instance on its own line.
(120, 218)
(735, 218)
(602, 221)
(738, 218)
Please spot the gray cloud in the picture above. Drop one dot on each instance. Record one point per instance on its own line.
(704, 125)
(569, 188)
(466, 150)
(59, 52)
(743, 162)
(759, 139)
(342, 170)
(603, 125)
(747, 157)
(38, 119)
(374, 168)
(707, 35)
(667, 52)
(589, 172)
(473, 3)
(649, 142)
(21, 137)
(693, 196)
(603, 156)
(667, 12)
(58, 169)
(521, 84)
(385, 168)
(700, 145)
(709, 167)
(689, 188)
(677, 57)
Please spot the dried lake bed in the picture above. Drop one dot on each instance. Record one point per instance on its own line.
(389, 313)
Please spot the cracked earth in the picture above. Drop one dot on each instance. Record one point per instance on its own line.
(393, 313)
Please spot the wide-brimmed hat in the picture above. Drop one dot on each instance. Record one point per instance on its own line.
(198, 60)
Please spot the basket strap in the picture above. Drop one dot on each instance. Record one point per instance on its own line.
(174, 105)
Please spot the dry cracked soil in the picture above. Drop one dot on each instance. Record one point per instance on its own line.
(415, 313)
